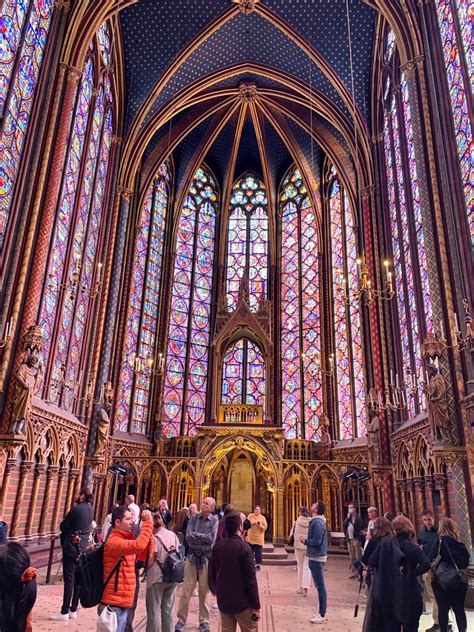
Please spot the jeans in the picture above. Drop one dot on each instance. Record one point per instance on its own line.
(454, 599)
(317, 572)
(121, 616)
(131, 611)
(71, 589)
(257, 551)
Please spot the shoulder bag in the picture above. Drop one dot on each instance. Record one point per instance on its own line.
(445, 574)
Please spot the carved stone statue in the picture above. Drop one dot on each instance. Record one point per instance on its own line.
(103, 423)
(373, 437)
(438, 406)
(325, 434)
(26, 382)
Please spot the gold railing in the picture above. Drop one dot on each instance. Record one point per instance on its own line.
(240, 414)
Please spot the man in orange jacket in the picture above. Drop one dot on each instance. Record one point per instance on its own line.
(119, 593)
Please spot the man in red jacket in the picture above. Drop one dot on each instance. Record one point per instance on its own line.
(118, 595)
(233, 580)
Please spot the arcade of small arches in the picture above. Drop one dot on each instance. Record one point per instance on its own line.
(234, 268)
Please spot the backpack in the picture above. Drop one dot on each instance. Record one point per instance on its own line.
(89, 574)
(173, 566)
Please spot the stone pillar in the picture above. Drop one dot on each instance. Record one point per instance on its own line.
(25, 469)
(429, 486)
(73, 476)
(402, 486)
(63, 472)
(39, 471)
(419, 505)
(460, 501)
(440, 485)
(10, 466)
(51, 475)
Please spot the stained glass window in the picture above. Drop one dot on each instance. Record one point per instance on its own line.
(24, 27)
(243, 374)
(349, 355)
(74, 272)
(410, 262)
(247, 242)
(300, 313)
(139, 354)
(455, 19)
(184, 399)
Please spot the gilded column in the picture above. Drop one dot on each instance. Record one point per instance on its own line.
(327, 497)
(278, 517)
(51, 475)
(63, 472)
(25, 469)
(9, 467)
(38, 473)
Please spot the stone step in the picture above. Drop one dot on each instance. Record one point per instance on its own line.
(280, 555)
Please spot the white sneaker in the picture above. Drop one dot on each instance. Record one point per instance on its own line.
(318, 619)
(73, 615)
(300, 591)
(59, 617)
(215, 606)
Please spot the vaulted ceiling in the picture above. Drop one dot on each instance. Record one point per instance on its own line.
(186, 63)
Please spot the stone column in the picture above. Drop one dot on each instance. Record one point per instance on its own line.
(73, 476)
(63, 472)
(429, 486)
(419, 488)
(460, 500)
(39, 471)
(51, 475)
(10, 466)
(25, 469)
(440, 485)
(278, 517)
(402, 486)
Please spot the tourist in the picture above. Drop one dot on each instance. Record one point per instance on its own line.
(119, 594)
(372, 513)
(389, 515)
(160, 596)
(299, 532)
(452, 552)
(179, 523)
(353, 527)
(107, 524)
(426, 539)
(398, 563)
(3, 528)
(317, 552)
(17, 588)
(133, 507)
(256, 534)
(373, 620)
(75, 529)
(165, 513)
(220, 529)
(200, 537)
(233, 580)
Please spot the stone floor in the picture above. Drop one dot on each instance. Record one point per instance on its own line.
(283, 610)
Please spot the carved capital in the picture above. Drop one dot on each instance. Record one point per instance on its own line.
(246, 6)
(248, 91)
(73, 75)
(10, 466)
(40, 469)
(116, 140)
(63, 5)
(126, 194)
(367, 192)
(378, 138)
(409, 69)
(25, 467)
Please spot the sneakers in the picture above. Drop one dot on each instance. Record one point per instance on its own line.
(60, 617)
(434, 628)
(179, 626)
(305, 592)
(73, 614)
(257, 567)
(318, 619)
(300, 591)
(204, 626)
(195, 592)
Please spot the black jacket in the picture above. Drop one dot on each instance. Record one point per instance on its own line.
(396, 588)
(427, 537)
(78, 520)
(458, 551)
(232, 575)
(371, 547)
(358, 527)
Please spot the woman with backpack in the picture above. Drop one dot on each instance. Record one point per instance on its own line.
(451, 553)
(160, 595)
(17, 588)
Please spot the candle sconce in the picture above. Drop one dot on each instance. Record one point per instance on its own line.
(464, 342)
(7, 335)
(72, 286)
(142, 366)
(317, 360)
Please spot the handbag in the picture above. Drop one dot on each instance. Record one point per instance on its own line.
(291, 539)
(445, 574)
(107, 621)
(173, 566)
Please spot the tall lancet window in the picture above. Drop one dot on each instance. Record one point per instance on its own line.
(184, 398)
(247, 242)
(455, 19)
(300, 312)
(243, 374)
(139, 350)
(414, 312)
(24, 28)
(74, 271)
(349, 361)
